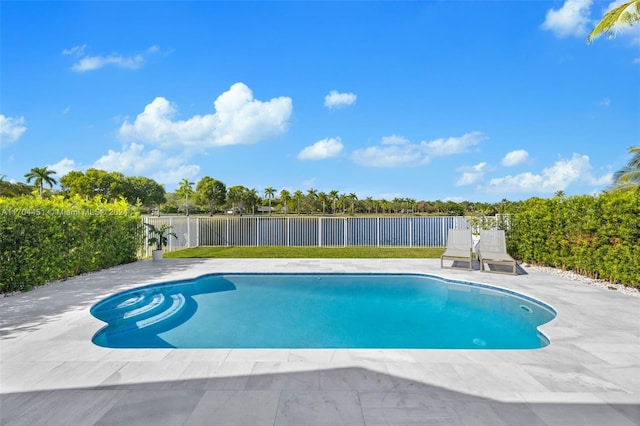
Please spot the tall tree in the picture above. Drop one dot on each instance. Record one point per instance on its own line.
(235, 195)
(143, 190)
(312, 196)
(184, 190)
(352, 197)
(251, 198)
(298, 195)
(269, 194)
(333, 196)
(285, 197)
(40, 176)
(211, 192)
(625, 15)
(629, 176)
(323, 198)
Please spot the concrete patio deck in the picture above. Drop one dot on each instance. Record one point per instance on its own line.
(52, 374)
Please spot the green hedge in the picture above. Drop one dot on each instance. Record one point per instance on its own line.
(595, 236)
(48, 239)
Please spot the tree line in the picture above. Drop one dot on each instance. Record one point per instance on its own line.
(212, 196)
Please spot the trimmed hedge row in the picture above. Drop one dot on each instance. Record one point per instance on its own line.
(594, 236)
(49, 239)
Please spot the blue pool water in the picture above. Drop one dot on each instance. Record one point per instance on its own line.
(321, 311)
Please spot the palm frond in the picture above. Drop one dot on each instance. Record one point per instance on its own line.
(626, 14)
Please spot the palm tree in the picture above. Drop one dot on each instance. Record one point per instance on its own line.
(285, 196)
(629, 176)
(186, 189)
(333, 196)
(269, 193)
(323, 198)
(298, 196)
(352, 198)
(626, 14)
(41, 175)
(312, 195)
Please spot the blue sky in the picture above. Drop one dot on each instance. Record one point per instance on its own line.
(429, 100)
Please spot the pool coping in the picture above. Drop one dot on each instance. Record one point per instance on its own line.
(49, 369)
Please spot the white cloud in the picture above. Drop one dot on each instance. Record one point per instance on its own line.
(514, 158)
(171, 177)
(91, 63)
(238, 119)
(75, 50)
(558, 177)
(135, 160)
(394, 140)
(63, 167)
(605, 103)
(406, 155)
(11, 129)
(325, 148)
(396, 151)
(571, 19)
(454, 145)
(472, 175)
(339, 100)
(636, 61)
(132, 160)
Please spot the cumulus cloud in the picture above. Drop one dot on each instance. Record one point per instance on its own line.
(325, 148)
(514, 158)
(396, 151)
(472, 175)
(572, 19)
(135, 160)
(339, 100)
(63, 166)
(558, 177)
(238, 119)
(454, 145)
(91, 63)
(11, 129)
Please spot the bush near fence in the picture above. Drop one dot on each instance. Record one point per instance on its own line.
(48, 239)
(594, 236)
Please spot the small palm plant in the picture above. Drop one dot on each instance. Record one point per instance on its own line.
(159, 237)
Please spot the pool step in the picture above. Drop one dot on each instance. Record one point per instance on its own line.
(137, 313)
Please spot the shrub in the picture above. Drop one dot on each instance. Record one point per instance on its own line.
(43, 240)
(596, 236)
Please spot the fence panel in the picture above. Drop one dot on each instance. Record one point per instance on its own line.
(410, 231)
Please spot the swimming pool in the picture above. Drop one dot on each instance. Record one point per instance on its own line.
(242, 310)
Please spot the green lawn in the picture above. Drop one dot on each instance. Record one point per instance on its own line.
(308, 252)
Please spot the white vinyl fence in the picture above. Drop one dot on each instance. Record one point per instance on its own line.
(427, 231)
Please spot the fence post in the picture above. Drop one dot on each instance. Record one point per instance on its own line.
(227, 239)
(257, 231)
(410, 227)
(345, 232)
(320, 231)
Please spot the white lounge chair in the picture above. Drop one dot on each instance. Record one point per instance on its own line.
(458, 248)
(492, 251)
